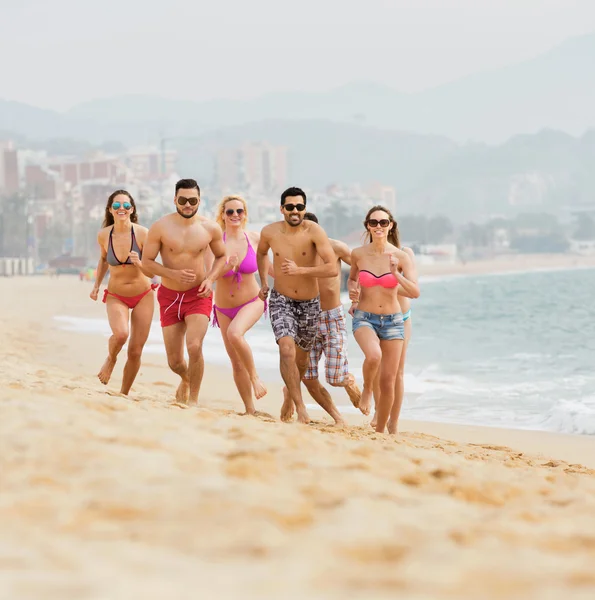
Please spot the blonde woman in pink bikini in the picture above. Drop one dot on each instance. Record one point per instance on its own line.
(237, 306)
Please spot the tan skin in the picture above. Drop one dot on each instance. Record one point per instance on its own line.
(393, 420)
(295, 245)
(182, 238)
(380, 257)
(228, 294)
(330, 298)
(125, 280)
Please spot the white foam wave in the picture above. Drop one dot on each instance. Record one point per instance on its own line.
(571, 416)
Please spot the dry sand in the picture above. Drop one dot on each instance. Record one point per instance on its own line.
(107, 498)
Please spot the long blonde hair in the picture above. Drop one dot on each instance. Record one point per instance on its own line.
(393, 234)
(221, 209)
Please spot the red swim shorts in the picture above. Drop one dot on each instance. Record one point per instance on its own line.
(174, 306)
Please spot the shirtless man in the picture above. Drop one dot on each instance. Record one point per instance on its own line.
(294, 305)
(331, 339)
(185, 294)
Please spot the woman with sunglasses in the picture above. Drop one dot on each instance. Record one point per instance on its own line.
(379, 270)
(237, 306)
(121, 241)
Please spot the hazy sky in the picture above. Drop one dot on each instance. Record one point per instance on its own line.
(57, 53)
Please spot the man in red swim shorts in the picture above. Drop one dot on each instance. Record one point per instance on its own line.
(185, 294)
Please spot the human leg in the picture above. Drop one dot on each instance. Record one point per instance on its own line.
(118, 315)
(140, 326)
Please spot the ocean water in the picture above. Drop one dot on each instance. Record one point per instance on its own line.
(509, 350)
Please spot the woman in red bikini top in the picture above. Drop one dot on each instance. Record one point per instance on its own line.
(121, 241)
(237, 306)
(379, 270)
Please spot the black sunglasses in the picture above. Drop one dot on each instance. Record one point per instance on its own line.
(231, 211)
(376, 222)
(182, 201)
(291, 207)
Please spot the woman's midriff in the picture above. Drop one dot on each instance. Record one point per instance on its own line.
(127, 280)
(379, 300)
(229, 294)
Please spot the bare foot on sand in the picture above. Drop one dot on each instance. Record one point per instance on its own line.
(374, 421)
(287, 408)
(259, 388)
(392, 427)
(183, 392)
(303, 416)
(366, 401)
(106, 370)
(353, 391)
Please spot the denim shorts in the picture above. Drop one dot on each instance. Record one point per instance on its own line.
(386, 327)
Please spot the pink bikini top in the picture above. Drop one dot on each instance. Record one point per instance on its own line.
(247, 266)
(386, 280)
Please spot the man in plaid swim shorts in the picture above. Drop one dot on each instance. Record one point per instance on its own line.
(302, 254)
(331, 340)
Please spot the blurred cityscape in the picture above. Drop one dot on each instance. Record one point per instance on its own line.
(53, 203)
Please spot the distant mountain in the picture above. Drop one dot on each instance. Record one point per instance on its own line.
(555, 90)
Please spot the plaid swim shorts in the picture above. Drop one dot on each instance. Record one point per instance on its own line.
(294, 318)
(331, 340)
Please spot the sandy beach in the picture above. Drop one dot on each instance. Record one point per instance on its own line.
(109, 498)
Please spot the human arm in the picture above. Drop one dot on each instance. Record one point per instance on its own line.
(413, 274)
(408, 278)
(328, 268)
(262, 261)
(342, 251)
(149, 264)
(217, 247)
(141, 237)
(102, 268)
(353, 282)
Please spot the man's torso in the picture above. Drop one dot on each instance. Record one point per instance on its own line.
(183, 247)
(299, 248)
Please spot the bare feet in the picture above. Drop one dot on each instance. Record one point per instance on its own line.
(259, 388)
(374, 421)
(392, 427)
(303, 416)
(353, 391)
(366, 401)
(287, 408)
(183, 392)
(106, 370)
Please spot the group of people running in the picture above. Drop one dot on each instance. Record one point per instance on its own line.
(208, 272)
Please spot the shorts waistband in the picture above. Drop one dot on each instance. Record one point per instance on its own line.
(369, 315)
(274, 292)
(333, 313)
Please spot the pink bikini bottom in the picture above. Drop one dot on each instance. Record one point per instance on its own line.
(230, 313)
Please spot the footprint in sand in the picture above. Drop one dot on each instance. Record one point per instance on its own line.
(163, 384)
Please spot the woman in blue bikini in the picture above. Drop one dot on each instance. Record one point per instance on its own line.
(237, 306)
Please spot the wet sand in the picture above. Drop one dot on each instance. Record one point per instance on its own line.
(103, 497)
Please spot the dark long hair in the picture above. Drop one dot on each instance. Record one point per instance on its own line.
(393, 234)
(109, 218)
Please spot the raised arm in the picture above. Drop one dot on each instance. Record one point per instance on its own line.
(353, 281)
(342, 251)
(412, 274)
(141, 238)
(408, 278)
(328, 268)
(102, 268)
(218, 252)
(151, 249)
(262, 260)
